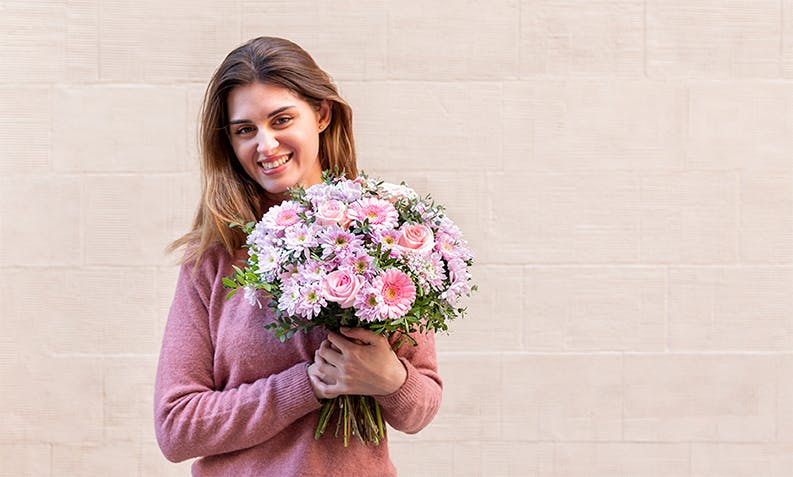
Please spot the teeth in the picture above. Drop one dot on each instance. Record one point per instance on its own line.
(272, 165)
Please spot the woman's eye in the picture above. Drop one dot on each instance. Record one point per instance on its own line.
(243, 130)
(282, 120)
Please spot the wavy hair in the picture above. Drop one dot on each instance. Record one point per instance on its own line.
(228, 194)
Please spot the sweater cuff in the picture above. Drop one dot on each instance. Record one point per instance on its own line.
(299, 398)
(407, 394)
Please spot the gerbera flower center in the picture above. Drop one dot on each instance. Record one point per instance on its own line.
(390, 293)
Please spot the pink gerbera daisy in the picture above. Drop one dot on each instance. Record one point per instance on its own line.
(282, 216)
(396, 291)
(381, 213)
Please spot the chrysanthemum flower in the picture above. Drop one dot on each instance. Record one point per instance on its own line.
(367, 304)
(311, 301)
(300, 237)
(338, 241)
(397, 292)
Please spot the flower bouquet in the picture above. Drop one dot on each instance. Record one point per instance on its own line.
(355, 253)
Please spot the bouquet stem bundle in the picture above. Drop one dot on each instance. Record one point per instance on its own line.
(359, 416)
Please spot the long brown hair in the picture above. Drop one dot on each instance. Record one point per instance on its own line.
(227, 193)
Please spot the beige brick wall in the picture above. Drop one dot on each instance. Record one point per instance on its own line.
(623, 169)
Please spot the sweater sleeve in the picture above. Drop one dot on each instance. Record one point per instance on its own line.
(411, 407)
(192, 417)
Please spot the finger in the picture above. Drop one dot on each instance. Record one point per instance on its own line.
(330, 345)
(362, 335)
(339, 341)
(328, 355)
(320, 388)
(323, 372)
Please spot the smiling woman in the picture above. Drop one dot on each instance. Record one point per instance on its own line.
(227, 391)
(274, 136)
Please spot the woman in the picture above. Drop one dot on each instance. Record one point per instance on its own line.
(226, 390)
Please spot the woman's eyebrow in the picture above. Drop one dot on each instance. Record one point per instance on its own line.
(277, 111)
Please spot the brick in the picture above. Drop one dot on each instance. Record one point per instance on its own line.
(501, 458)
(787, 39)
(51, 399)
(419, 126)
(766, 218)
(562, 218)
(467, 413)
(119, 129)
(40, 221)
(106, 459)
(740, 125)
(746, 308)
(699, 398)
(25, 460)
(165, 280)
(560, 397)
(422, 459)
(735, 39)
(182, 40)
(325, 28)
(82, 40)
(600, 308)
(128, 398)
(577, 125)
(742, 460)
(25, 137)
(495, 317)
(689, 217)
(48, 41)
(584, 459)
(152, 462)
(465, 198)
(195, 98)
(784, 400)
(87, 311)
(449, 41)
(592, 38)
(133, 218)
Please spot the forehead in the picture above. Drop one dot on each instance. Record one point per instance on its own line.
(253, 100)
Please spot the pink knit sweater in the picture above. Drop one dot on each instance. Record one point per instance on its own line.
(229, 392)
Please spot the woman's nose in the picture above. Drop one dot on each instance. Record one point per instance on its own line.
(267, 143)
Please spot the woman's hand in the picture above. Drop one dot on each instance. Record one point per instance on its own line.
(357, 362)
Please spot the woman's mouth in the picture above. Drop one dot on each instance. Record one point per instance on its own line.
(271, 167)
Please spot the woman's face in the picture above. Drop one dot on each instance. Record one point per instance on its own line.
(275, 136)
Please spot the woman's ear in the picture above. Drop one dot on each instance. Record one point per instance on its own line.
(325, 114)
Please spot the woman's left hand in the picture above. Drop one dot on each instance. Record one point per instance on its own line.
(358, 361)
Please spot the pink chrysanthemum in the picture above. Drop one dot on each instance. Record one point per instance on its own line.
(389, 240)
(337, 241)
(367, 304)
(396, 291)
(381, 213)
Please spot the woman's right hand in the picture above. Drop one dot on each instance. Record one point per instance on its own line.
(357, 361)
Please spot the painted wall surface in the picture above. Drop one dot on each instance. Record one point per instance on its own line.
(622, 168)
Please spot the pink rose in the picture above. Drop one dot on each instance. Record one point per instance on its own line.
(416, 237)
(332, 212)
(342, 287)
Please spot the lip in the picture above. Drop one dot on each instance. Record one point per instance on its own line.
(271, 159)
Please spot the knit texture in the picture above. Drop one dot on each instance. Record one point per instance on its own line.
(230, 393)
